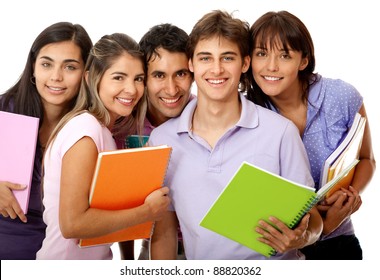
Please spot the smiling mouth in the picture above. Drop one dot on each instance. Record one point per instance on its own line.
(216, 82)
(126, 101)
(55, 88)
(170, 100)
(270, 78)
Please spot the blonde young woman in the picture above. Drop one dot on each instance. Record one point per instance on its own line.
(110, 101)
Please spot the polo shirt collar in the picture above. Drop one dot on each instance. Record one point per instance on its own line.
(248, 118)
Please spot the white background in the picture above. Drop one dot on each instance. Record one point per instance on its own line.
(345, 34)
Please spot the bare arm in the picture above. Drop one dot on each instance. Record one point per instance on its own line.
(164, 240)
(366, 167)
(76, 218)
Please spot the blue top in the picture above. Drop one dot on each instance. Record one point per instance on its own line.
(19, 240)
(332, 105)
(198, 173)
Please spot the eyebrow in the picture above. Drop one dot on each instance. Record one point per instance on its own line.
(224, 53)
(119, 73)
(126, 75)
(281, 50)
(156, 72)
(66, 60)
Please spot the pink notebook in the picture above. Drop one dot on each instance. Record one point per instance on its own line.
(18, 140)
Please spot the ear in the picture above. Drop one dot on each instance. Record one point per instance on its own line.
(86, 76)
(303, 64)
(191, 67)
(246, 64)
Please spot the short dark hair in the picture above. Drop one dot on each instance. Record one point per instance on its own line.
(166, 36)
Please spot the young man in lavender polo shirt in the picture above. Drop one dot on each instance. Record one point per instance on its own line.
(211, 138)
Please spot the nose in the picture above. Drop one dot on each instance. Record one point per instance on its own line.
(217, 67)
(56, 74)
(171, 87)
(130, 87)
(272, 64)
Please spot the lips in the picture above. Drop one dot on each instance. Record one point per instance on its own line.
(271, 78)
(216, 82)
(125, 101)
(170, 100)
(56, 89)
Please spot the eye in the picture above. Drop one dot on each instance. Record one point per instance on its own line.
(140, 79)
(204, 58)
(261, 53)
(159, 75)
(45, 64)
(286, 56)
(118, 78)
(228, 58)
(70, 67)
(182, 74)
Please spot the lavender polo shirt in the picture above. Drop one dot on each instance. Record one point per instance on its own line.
(197, 173)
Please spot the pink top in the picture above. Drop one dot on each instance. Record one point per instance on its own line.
(55, 246)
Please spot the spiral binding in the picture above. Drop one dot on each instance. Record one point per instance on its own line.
(166, 170)
(306, 208)
(272, 252)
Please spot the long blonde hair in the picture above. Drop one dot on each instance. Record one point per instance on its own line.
(102, 56)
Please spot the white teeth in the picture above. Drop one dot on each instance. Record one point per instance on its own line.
(216, 81)
(169, 101)
(125, 100)
(271, 78)
(55, 88)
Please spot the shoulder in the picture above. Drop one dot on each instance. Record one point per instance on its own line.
(335, 97)
(80, 126)
(85, 121)
(335, 89)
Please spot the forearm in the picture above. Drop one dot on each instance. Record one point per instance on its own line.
(164, 240)
(97, 222)
(314, 228)
(363, 174)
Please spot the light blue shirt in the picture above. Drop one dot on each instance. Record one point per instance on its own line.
(332, 105)
(197, 173)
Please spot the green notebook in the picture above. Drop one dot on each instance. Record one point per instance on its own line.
(253, 194)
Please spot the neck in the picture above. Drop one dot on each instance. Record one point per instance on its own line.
(293, 107)
(156, 118)
(52, 116)
(212, 119)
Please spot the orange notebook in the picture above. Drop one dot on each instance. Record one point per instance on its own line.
(122, 180)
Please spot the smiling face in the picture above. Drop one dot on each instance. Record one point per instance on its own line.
(168, 85)
(217, 65)
(275, 70)
(122, 86)
(58, 71)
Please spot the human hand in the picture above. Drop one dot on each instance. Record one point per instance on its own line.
(337, 209)
(9, 206)
(280, 237)
(158, 202)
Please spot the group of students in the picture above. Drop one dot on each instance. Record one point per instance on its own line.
(258, 99)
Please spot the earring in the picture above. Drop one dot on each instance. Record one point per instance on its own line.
(33, 80)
